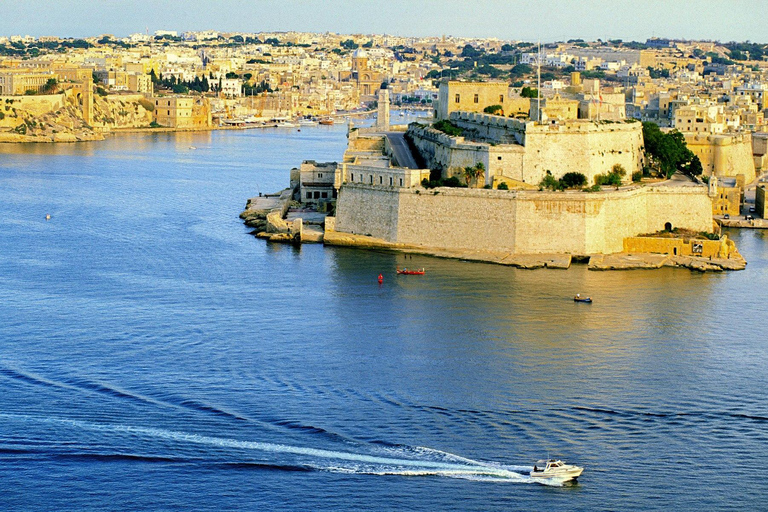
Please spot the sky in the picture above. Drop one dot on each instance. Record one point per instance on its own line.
(530, 20)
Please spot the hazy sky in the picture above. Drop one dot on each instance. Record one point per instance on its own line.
(550, 20)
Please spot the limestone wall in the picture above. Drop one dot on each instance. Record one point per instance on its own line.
(524, 152)
(583, 147)
(368, 210)
(723, 155)
(674, 246)
(520, 222)
(458, 218)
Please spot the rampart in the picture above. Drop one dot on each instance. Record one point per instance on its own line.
(524, 151)
(520, 222)
(723, 154)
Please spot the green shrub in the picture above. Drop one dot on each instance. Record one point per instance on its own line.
(550, 182)
(637, 176)
(502, 186)
(492, 109)
(448, 128)
(573, 179)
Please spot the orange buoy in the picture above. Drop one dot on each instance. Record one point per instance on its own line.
(381, 278)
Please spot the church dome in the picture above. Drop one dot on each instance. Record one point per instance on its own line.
(359, 53)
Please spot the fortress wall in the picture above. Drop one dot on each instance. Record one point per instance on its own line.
(680, 206)
(37, 104)
(451, 154)
(586, 148)
(458, 218)
(507, 160)
(724, 155)
(368, 210)
(499, 129)
(521, 222)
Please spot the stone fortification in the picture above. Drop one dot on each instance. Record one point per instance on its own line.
(520, 222)
(62, 118)
(722, 155)
(523, 151)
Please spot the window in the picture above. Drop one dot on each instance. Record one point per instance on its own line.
(371, 176)
(381, 180)
(319, 175)
(352, 177)
(501, 98)
(391, 179)
(401, 182)
(317, 195)
(309, 195)
(499, 158)
(477, 98)
(458, 98)
(324, 195)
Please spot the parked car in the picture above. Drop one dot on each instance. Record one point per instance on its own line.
(727, 216)
(750, 217)
(751, 209)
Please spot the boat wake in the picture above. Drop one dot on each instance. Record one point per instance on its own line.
(386, 460)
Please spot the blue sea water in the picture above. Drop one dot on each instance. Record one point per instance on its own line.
(155, 356)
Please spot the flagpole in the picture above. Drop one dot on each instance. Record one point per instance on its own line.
(538, 84)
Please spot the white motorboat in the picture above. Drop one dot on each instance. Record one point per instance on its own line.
(554, 468)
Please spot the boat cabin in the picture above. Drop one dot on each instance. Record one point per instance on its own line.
(543, 465)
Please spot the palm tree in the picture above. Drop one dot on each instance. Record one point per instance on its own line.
(471, 173)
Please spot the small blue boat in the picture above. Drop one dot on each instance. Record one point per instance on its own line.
(579, 298)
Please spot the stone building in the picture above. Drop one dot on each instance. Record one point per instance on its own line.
(316, 182)
(456, 96)
(16, 82)
(519, 153)
(182, 112)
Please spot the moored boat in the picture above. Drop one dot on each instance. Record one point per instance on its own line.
(579, 298)
(554, 468)
(326, 121)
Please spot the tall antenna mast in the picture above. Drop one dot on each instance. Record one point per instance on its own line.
(538, 85)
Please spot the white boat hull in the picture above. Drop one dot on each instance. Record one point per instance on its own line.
(563, 473)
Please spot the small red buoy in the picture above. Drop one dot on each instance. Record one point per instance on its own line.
(381, 278)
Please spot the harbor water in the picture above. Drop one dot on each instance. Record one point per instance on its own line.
(156, 356)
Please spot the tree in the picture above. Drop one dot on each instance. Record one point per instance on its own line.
(50, 86)
(470, 52)
(529, 92)
(694, 168)
(474, 172)
(492, 109)
(349, 44)
(573, 179)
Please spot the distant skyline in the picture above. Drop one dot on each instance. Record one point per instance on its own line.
(554, 20)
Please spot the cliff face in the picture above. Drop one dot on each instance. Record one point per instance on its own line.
(59, 118)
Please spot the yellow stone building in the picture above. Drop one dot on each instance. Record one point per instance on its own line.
(182, 112)
(726, 195)
(456, 96)
(16, 82)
